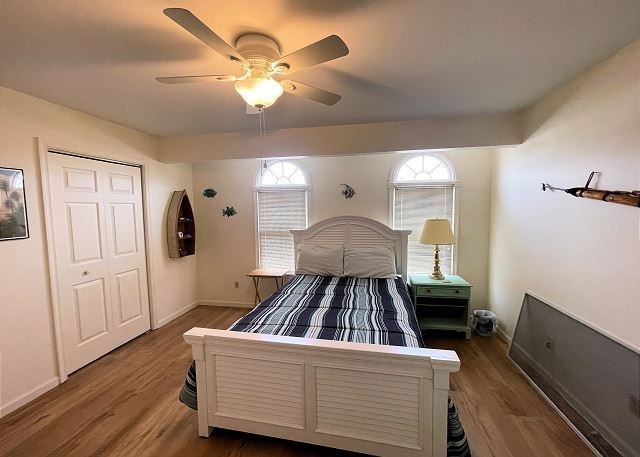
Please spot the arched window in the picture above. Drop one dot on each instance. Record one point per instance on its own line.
(282, 205)
(424, 168)
(423, 187)
(282, 173)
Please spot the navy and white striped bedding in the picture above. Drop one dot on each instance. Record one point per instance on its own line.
(376, 311)
(365, 310)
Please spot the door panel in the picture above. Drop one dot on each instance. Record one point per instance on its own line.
(123, 195)
(124, 228)
(91, 310)
(128, 296)
(121, 183)
(80, 180)
(100, 255)
(83, 226)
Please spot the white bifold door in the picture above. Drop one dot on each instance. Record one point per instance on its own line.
(99, 247)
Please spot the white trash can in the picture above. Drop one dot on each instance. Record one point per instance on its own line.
(484, 322)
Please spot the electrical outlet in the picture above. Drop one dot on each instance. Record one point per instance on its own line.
(236, 284)
(550, 343)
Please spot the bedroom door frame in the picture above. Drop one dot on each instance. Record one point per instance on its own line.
(44, 147)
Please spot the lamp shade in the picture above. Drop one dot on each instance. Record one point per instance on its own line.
(437, 231)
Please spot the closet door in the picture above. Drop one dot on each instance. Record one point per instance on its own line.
(122, 196)
(100, 256)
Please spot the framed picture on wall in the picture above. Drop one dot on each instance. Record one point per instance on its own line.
(13, 206)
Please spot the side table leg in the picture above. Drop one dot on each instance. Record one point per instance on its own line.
(256, 284)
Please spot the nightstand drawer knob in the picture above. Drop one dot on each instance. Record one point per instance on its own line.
(457, 291)
(429, 290)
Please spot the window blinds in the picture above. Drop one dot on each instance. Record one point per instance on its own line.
(412, 205)
(279, 212)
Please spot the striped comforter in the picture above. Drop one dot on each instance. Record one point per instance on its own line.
(375, 311)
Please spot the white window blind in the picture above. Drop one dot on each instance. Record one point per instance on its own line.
(278, 212)
(411, 206)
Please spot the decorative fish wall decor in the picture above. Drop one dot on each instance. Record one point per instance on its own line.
(348, 191)
(229, 211)
(209, 193)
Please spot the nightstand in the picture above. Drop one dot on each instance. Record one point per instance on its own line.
(441, 305)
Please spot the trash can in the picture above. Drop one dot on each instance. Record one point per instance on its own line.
(484, 322)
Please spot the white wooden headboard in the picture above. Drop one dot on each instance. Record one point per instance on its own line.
(355, 231)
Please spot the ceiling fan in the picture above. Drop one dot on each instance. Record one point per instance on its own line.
(258, 56)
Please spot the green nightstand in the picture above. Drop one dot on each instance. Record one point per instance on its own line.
(441, 305)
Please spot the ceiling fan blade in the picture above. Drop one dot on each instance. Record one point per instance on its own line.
(187, 20)
(195, 79)
(329, 48)
(312, 93)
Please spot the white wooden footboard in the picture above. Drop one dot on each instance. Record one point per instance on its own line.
(381, 400)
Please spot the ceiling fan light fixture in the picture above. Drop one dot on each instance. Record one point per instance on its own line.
(259, 92)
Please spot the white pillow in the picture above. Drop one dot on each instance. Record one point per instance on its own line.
(379, 262)
(320, 260)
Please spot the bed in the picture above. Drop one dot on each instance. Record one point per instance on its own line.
(337, 362)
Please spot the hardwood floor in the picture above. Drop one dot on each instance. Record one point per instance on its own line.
(125, 404)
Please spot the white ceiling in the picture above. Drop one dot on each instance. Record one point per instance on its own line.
(408, 59)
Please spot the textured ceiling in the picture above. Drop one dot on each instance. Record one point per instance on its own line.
(408, 59)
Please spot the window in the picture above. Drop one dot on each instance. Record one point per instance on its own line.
(282, 206)
(423, 187)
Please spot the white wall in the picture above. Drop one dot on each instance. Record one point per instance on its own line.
(27, 352)
(583, 255)
(227, 248)
(174, 287)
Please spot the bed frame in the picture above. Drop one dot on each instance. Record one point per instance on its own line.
(381, 400)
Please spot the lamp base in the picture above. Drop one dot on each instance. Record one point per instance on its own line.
(437, 274)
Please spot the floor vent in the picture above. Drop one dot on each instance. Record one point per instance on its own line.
(592, 379)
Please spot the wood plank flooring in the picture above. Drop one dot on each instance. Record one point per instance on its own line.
(125, 404)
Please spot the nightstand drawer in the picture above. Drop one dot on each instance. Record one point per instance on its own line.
(428, 291)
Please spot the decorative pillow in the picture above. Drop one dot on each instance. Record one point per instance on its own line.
(320, 260)
(379, 262)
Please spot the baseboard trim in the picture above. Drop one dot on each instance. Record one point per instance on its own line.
(503, 336)
(231, 303)
(29, 396)
(190, 306)
(172, 316)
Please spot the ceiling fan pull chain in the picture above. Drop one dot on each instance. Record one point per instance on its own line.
(262, 124)
(264, 133)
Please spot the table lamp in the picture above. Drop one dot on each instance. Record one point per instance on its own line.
(437, 232)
